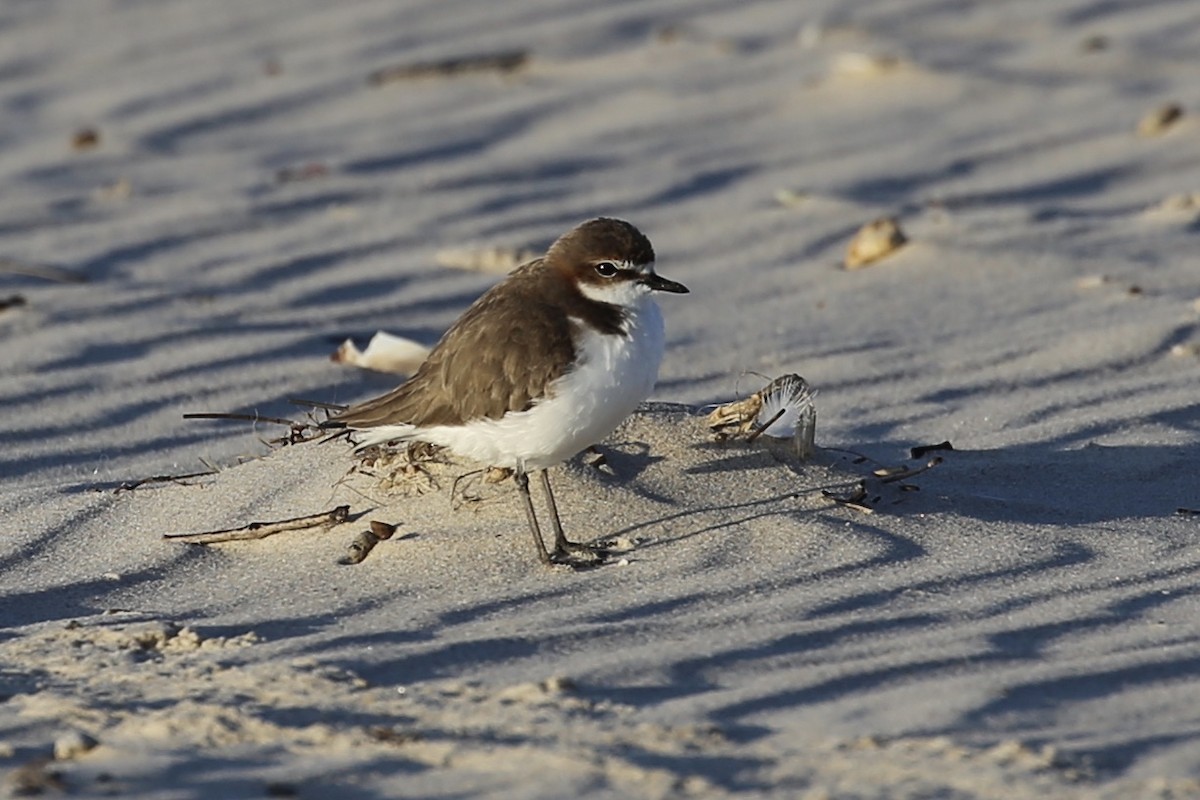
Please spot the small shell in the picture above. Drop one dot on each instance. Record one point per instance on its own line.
(863, 65)
(384, 353)
(790, 198)
(72, 745)
(491, 260)
(874, 241)
(738, 415)
(1160, 119)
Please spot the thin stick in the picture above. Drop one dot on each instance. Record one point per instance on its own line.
(759, 430)
(296, 401)
(246, 417)
(494, 62)
(129, 486)
(893, 474)
(44, 271)
(261, 530)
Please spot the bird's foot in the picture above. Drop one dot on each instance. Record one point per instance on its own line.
(578, 555)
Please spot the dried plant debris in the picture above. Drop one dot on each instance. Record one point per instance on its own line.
(385, 353)
(1160, 120)
(364, 542)
(129, 486)
(504, 62)
(298, 431)
(261, 530)
(15, 266)
(869, 493)
(783, 409)
(35, 778)
(490, 260)
(405, 472)
(85, 139)
(305, 172)
(924, 449)
(874, 241)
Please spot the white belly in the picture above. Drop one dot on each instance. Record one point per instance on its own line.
(615, 373)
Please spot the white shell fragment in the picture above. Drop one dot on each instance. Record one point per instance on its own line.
(874, 241)
(783, 409)
(790, 198)
(384, 353)
(1156, 122)
(72, 745)
(863, 65)
(491, 260)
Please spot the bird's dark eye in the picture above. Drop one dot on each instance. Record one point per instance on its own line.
(606, 269)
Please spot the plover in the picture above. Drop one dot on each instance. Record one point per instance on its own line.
(543, 365)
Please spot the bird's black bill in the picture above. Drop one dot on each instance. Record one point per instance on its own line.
(660, 284)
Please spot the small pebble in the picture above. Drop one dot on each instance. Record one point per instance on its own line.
(72, 745)
(874, 241)
(1160, 119)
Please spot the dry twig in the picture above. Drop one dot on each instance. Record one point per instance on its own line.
(261, 530)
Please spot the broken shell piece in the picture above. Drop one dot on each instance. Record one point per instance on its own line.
(1092, 281)
(384, 353)
(1160, 119)
(790, 197)
(874, 241)
(491, 260)
(863, 65)
(735, 417)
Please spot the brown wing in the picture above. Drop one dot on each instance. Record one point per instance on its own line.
(499, 356)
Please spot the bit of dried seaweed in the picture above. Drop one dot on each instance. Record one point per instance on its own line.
(488, 260)
(869, 492)
(305, 172)
(923, 449)
(85, 139)
(34, 778)
(12, 301)
(364, 542)
(298, 431)
(855, 499)
(384, 353)
(874, 241)
(1158, 121)
(504, 62)
(261, 530)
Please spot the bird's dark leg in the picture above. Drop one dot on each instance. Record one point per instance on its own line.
(563, 545)
(522, 479)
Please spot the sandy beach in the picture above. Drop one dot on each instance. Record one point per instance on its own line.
(204, 200)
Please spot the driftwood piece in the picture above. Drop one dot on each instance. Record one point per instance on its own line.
(261, 530)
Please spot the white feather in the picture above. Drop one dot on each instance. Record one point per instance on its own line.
(789, 394)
